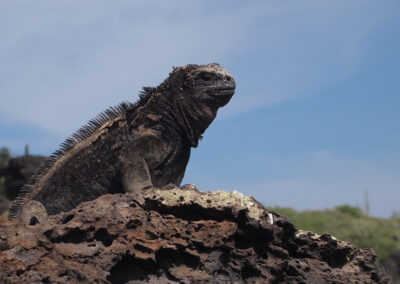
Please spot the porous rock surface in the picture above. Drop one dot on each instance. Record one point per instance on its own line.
(176, 235)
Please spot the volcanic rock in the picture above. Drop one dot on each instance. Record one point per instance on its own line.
(177, 235)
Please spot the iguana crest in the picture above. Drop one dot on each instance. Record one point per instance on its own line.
(129, 147)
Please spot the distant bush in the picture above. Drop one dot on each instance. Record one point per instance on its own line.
(350, 210)
(2, 187)
(4, 154)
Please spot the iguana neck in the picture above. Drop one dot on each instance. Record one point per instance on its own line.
(185, 116)
(193, 119)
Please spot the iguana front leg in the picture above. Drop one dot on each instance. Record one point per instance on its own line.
(135, 175)
(138, 158)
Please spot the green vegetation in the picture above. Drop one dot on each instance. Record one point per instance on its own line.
(350, 224)
(4, 156)
(2, 187)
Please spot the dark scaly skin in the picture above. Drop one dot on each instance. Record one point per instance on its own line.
(142, 146)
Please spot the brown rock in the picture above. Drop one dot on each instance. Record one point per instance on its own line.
(176, 235)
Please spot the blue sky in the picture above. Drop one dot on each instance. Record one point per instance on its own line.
(314, 121)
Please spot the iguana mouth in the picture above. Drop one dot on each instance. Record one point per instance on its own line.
(219, 95)
(223, 91)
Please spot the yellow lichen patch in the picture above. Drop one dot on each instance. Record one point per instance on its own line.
(219, 200)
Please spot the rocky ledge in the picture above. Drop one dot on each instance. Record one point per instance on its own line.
(177, 235)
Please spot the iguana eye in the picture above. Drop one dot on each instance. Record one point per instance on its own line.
(206, 76)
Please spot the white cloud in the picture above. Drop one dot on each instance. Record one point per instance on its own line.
(64, 61)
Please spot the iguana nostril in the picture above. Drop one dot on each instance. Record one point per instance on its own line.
(34, 220)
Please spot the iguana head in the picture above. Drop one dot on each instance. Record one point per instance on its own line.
(198, 91)
(211, 84)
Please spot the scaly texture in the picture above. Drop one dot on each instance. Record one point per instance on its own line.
(177, 235)
(130, 147)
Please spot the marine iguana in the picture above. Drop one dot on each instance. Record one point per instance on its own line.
(130, 147)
